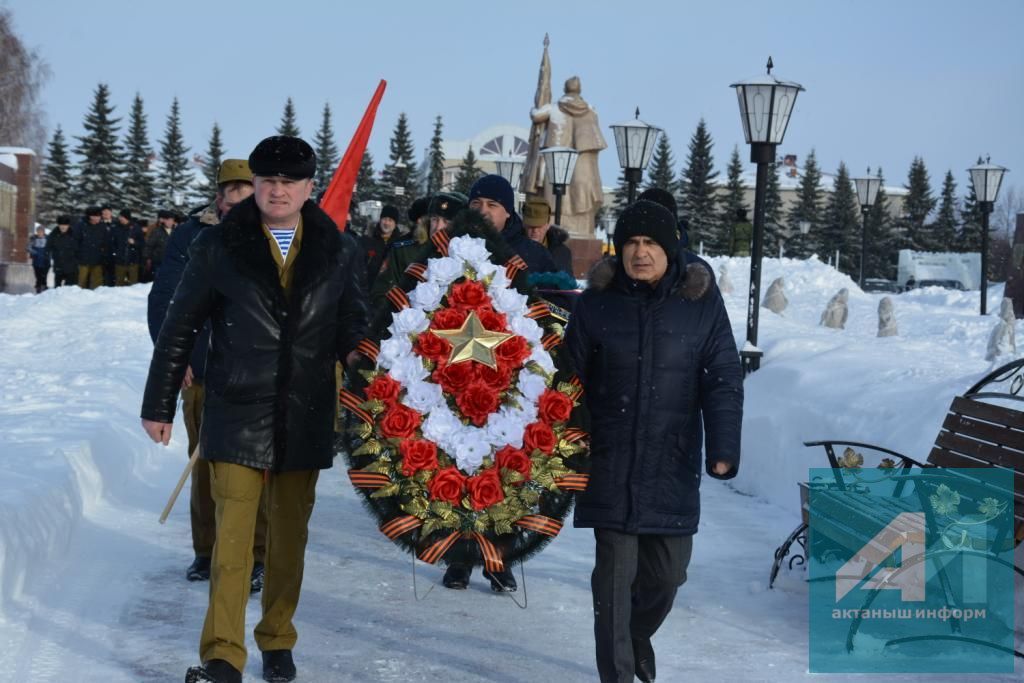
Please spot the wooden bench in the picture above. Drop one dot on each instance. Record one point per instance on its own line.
(983, 428)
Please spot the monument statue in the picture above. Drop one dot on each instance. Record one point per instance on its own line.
(570, 123)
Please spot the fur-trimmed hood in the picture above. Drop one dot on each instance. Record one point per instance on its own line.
(693, 282)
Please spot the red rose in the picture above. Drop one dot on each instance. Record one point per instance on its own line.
(447, 485)
(492, 320)
(477, 402)
(448, 319)
(513, 351)
(417, 455)
(485, 489)
(469, 294)
(429, 345)
(539, 436)
(498, 379)
(400, 422)
(454, 378)
(554, 406)
(514, 459)
(383, 388)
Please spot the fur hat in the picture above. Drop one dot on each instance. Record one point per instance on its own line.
(497, 188)
(285, 156)
(418, 209)
(389, 212)
(447, 204)
(648, 219)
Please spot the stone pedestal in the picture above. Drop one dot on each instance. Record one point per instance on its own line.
(586, 251)
(17, 278)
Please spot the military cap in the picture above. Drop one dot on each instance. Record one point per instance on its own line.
(234, 170)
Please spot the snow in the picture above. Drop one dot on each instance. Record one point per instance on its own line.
(92, 588)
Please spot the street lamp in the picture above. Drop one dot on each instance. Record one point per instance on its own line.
(765, 105)
(510, 168)
(560, 163)
(634, 142)
(867, 191)
(986, 179)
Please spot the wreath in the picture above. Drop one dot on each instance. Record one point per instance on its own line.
(464, 423)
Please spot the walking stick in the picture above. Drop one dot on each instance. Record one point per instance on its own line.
(181, 483)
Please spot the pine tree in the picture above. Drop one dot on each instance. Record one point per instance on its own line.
(882, 240)
(211, 165)
(944, 230)
(435, 175)
(55, 191)
(288, 126)
(969, 238)
(698, 193)
(99, 171)
(367, 187)
(138, 179)
(468, 173)
(916, 208)
(326, 151)
(174, 177)
(731, 204)
(807, 208)
(621, 194)
(400, 171)
(773, 221)
(661, 173)
(842, 229)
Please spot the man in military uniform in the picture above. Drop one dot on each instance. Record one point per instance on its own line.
(537, 223)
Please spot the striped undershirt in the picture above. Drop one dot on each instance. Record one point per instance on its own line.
(283, 237)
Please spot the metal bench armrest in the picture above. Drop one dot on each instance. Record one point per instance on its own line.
(906, 461)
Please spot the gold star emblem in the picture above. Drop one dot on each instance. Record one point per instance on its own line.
(473, 341)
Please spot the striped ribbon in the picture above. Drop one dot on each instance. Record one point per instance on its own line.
(577, 388)
(538, 310)
(400, 525)
(542, 524)
(440, 240)
(574, 434)
(368, 348)
(355, 404)
(513, 266)
(492, 558)
(398, 298)
(418, 271)
(550, 341)
(573, 482)
(435, 551)
(368, 480)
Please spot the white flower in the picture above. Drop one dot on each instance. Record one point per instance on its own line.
(531, 385)
(423, 396)
(473, 250)
(440, 424)
(469, 453)
(543, 359)
(527, 328)
(426, 296)
(506, 427)
(393, 350)
(499, 282)
(488, 269)
(408, 369)
(510, 302)
(409, 321)
(444, 270)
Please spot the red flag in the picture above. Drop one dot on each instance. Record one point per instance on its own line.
(338, 196)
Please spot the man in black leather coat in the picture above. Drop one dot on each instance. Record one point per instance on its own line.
(654, 350)
(283, 291)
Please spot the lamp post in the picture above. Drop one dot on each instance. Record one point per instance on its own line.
(765, 105)
(511, 169)
(634, 142)
(560, 164)
(986, 179)
(867, 191)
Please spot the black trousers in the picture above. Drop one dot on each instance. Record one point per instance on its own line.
(61, 277)
(634, 584)
(41, 274)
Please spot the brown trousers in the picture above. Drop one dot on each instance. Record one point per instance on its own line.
(90, 277)
(126, 275)
(201, 506)
(290, 497)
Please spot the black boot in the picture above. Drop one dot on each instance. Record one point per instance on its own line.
(643, 659)
(199, 570)
(278, 666)
(256, 579)
(457, 576)
(503, 581)
(213, 671)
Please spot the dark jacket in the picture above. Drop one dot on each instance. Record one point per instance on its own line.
(167, 279)
(123, 252)
(270, 383)
(537, 258)
(62, 247)
(39, 253)
(156, 245)
(559, 250)
(377, 249)
(652, 361)
(92, 244)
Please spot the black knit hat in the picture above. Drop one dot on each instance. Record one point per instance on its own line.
(63, 219)
(418, 209)
(389, 212)
(93, 211)
(447, 204)
(285, 156)
(648, 219)
(497, 188)
(126, 213)
(165, 213)
(660, 196)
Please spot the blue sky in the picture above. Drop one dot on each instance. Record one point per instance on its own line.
(885, 81)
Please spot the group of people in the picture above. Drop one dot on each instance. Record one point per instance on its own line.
(268, 296)
(98, 249)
